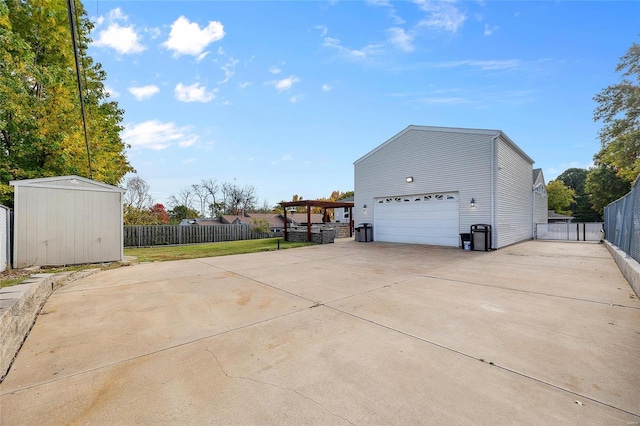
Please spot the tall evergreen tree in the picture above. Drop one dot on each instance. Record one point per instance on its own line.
(41, 129)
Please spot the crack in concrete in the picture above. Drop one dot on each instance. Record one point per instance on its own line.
(229, 376)
(211, 314)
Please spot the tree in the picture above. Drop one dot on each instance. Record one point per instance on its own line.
(159, 214)
(604, 185)
(619, 110)
(183, 198)
(202, 195)
(41, 131)
(238, 199)
(182, 212)
(581, 209)
(216, 206)
(136, 202)
(560, 197)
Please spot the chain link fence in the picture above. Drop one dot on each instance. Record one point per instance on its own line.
(622, 222)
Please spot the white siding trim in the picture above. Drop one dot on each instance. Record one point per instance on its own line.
(514, 200)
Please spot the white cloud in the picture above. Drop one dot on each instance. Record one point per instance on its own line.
(488, 30)
(187, 38)
(285, 83)
(442, 100)
(111, 91)
(275, 70)
(326, 88)
(286, 157)
(144, 92)
(295, 98)
(194, 93)
(228, 69)
(123, 40)
(156, 135)
(441, 15)
(399, 38)
(365, 52)
(117, 15)
(490, 65)
(202, 56)
(189, 160)
(323, 30)
(244, 84)
(220, 51)
(154, 32)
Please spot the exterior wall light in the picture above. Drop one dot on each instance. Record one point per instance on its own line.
(473, 202)
(410, 179)
(364, 208)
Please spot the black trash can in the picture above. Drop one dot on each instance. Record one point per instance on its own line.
(465, 237)
(366, 232)
(358, 232)
(481, 237)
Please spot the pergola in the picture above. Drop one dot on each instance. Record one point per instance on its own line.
(316, 203)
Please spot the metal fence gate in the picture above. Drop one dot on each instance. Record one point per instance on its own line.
(570, 231)
(622, 222)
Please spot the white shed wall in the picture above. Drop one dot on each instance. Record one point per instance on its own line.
(514, 198)
(439, 160)
(55, 225)
(4, 237)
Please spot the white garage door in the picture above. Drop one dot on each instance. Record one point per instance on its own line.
(420, 219)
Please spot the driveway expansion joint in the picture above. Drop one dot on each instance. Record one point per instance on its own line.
(260, 382)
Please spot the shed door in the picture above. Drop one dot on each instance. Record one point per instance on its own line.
(420, 219)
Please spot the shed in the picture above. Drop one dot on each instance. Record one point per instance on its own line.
(5, 237)
(66, 220)
(428, 185)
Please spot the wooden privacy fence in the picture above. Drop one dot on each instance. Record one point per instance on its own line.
(155, 235)
(569, 231)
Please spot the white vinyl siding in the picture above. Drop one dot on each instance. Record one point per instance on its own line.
(540, 200)
(514, 202)
(439, 160)
(58, 222)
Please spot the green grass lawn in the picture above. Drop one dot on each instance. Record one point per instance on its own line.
(194, 251)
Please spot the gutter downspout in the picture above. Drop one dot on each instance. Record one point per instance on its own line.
(494, 231)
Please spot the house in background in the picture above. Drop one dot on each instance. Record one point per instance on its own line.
(427, 185)
(341, 214)
(300, 219)
(275, 222)
(540, 198)
(553, 217)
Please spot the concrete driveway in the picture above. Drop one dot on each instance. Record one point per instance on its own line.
(360, 333)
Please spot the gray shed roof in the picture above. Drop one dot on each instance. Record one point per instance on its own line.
(67, 182)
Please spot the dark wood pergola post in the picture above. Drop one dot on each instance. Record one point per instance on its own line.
(308, 223)
(285, 224)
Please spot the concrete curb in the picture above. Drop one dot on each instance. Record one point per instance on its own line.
(20, 305)
(629, 267)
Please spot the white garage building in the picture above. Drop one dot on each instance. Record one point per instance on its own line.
(66, 220)
(427, 185)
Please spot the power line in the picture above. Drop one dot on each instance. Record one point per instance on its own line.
(71, 10)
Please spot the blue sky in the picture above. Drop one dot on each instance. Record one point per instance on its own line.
(286, 95)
